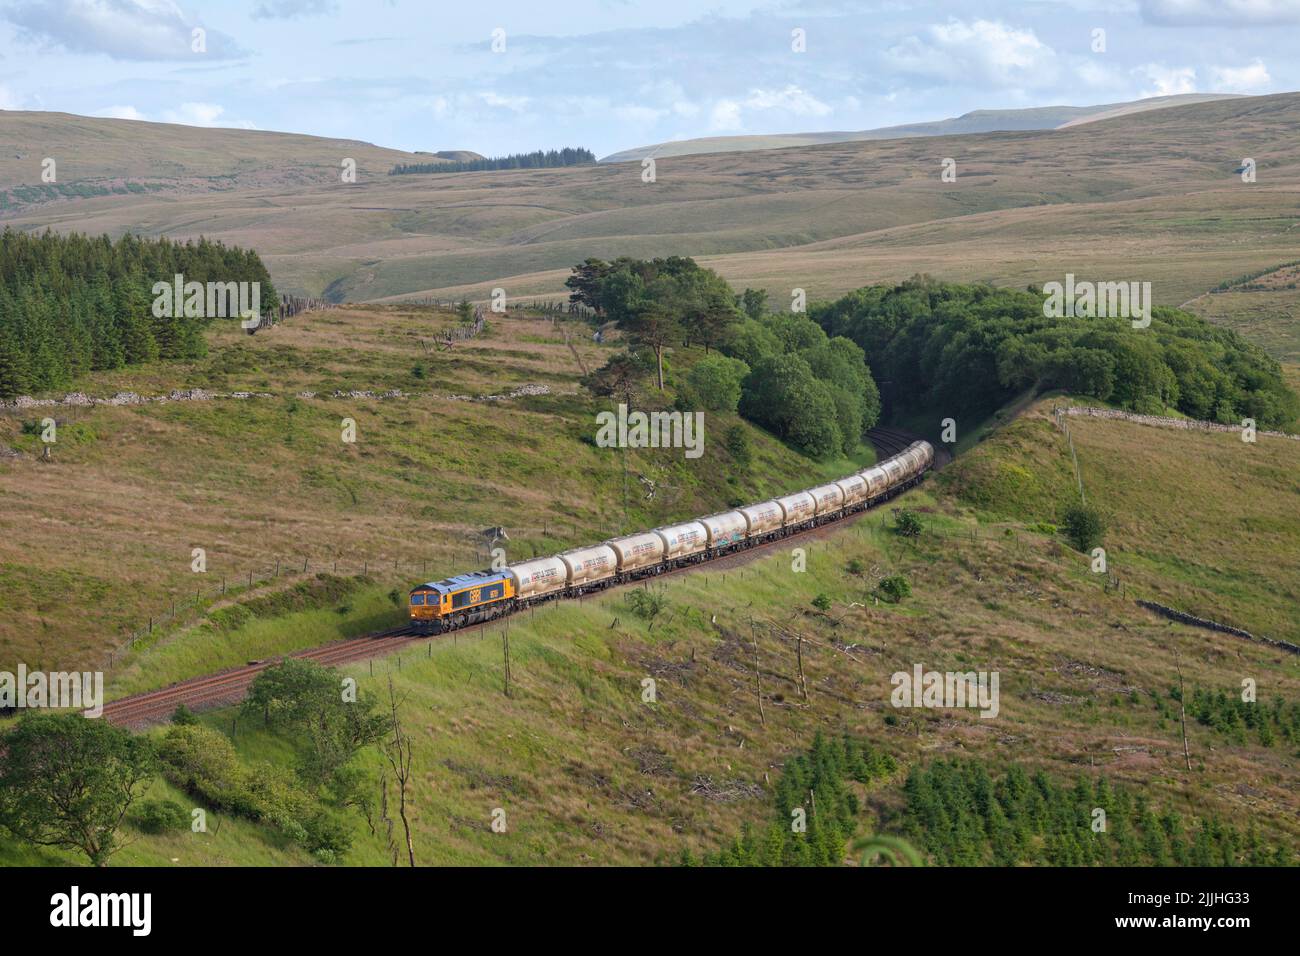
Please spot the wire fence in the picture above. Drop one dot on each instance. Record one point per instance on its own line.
(188, 607)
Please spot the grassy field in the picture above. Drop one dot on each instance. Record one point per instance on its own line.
(1146, 197)
(586, 772)
(1199, 521)
(101, 539)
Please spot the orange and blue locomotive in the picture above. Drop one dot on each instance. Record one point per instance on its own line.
(464, 599)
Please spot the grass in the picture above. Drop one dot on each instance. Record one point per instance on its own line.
(264, 482)
(1229, 556)
(587, 772)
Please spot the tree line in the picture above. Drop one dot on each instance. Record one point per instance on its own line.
(538, 159)
(959, 815)
(71, 304)
(781, 371)
(945, 347)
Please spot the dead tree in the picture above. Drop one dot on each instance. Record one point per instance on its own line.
(1182, 709)
(398, 752)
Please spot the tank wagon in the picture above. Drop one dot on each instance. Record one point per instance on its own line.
(480, 596)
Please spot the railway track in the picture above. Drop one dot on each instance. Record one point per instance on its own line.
(230, 686)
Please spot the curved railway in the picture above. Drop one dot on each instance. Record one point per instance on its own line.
(231, 686)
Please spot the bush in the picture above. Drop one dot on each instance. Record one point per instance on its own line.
(715, 382)
(738, 446)
(161, 816)
(907, 523)
(894, 588)
(855, 566)
(821, 602)
(1084, 527)
(182, 716)
(646, 603)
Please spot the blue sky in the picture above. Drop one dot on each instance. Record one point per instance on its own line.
(613, 74)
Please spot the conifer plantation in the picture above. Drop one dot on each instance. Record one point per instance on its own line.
(70, 304)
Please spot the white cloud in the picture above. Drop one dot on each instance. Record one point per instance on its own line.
(789, 100)
(728, 114)
(120, 112)
(1167, 81)
(1098, 75)
(515, 104)
(290, 9)
(121, 29)
(203, 114)
(1251, 78)
(725, 116)
(980, 50)
(1234, 13)
(639, 114)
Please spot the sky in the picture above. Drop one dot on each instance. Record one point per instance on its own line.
(500, 76)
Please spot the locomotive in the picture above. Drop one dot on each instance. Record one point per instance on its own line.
(479, 596)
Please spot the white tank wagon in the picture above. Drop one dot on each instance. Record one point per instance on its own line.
(854, 488)
(726, 529)
(797, 508)
(538, 578)
(826, 499)
(683, 540)
(876, 479)
(894, 471)
(763, 518)
(588, 567)
(635, 552)
(915, 459)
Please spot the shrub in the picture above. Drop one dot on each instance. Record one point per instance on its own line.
(1084, 526)
(715, 382)
(855, 566)
(161, 816)
(738, 446)
(821, 602)
(907, 523)
(646, 603)
(894, 588)
(182, 716)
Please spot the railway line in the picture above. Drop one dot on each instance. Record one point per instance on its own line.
(230, 686)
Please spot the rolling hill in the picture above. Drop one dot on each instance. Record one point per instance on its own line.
(976, 121)
(1150, 196)
(94, 153)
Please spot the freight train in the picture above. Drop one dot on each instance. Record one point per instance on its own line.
(480, 596)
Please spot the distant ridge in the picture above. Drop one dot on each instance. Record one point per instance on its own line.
(977, 121)
(109, 152)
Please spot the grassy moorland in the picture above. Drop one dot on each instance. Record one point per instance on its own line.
(587, 772)
(1149, 196)
(1263, 308)
(269, 479)
(1203, 522)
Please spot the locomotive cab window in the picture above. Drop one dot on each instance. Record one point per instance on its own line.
(417, 599)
